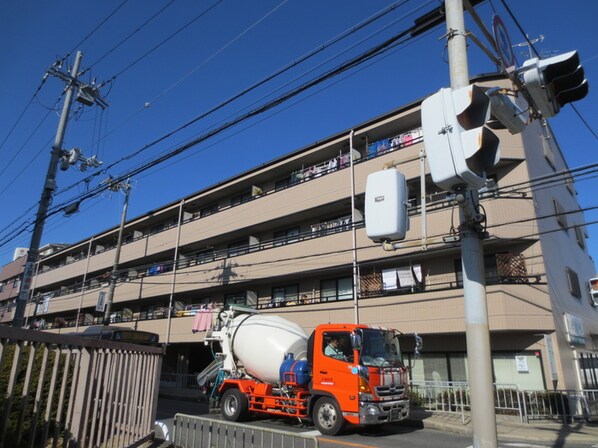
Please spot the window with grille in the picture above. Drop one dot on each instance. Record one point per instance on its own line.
(548, 152)
(286, 236)
(580, 235)
(336, 289)
(559, 212)
(573, 279)
(209, 210)
(285, 294)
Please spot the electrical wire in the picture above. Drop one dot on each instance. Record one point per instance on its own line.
(292, 260)
(155, 47)
(353, 62)
(139, 28)
(96, 28)
(531, 45)
(18, 120)
(368, 21)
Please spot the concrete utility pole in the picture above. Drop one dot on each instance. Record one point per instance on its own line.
(46, 198)
(479, 360)
(126, 187)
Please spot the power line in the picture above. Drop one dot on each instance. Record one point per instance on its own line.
(353, 62)
(370, 20)
(96, 28)
(354, 28)
(154, 48)
(139, 28)
(293, 259)
(531, 45)
(12, 128)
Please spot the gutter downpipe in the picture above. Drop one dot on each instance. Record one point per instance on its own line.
(354, 230)
(174, 269)
(83, 285)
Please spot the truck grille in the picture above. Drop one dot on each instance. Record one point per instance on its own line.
(389, 390)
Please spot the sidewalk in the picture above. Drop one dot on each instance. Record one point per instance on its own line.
(509, 429)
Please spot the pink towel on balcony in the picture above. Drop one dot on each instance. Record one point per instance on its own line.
(202, 321)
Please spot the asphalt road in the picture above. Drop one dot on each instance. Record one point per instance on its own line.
(387, 436)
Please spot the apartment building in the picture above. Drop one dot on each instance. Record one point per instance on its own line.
(11, 275)
(288, 237)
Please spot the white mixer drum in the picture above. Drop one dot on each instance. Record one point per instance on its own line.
(261, 343)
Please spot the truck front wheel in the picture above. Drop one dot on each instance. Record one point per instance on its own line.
(234, 405)
(328, 417)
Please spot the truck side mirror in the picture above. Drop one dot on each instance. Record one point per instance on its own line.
(356, 341)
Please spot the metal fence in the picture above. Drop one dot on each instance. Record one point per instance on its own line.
(509, 400)
(61, 390)
(180, 381)
(196, 432)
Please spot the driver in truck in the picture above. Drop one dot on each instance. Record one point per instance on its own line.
(333, 348)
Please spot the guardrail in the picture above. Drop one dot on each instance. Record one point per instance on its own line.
(196, 432)
(509, 400)
(62, 390)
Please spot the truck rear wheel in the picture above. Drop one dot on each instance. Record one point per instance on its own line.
(328, 417)
(234, 405)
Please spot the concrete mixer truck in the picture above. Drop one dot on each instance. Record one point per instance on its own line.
(342, 373)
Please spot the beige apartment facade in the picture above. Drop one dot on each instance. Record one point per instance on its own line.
(288, 237)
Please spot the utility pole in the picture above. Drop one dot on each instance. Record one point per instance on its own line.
(126, 188)
(479, 360)
(46, 198)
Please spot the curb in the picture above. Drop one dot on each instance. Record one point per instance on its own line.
(530, 433)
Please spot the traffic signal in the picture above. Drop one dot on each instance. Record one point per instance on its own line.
(554, 82)
(386, 200)
(459, 147)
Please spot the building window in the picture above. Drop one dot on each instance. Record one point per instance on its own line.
(336, 289)
(209, 210)
(248, 298)
(548, 152)
(240, 199)
(282, 184)
(286, 236)
(573, 279)
(285, 295)
(332, 226)
(559, 212)
(580, 235)
(157, 228)
(236, 298)
(589, 369)
(205, 256)
(490, 268)
(238, 248)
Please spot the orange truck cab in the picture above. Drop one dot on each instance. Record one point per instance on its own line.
(358, 376)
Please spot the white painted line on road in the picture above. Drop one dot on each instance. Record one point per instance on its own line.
(524, 445)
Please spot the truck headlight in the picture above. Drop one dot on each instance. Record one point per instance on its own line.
(372, 410)
(364, 386)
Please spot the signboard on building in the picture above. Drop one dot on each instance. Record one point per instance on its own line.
(101, 304)
(521, 362)
(554, 376)
(575, 332)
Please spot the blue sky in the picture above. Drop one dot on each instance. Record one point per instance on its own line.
(217, 49)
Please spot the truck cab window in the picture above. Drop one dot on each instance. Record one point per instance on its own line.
(338, 345)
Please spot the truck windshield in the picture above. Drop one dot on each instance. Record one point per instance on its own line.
(380, 348)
